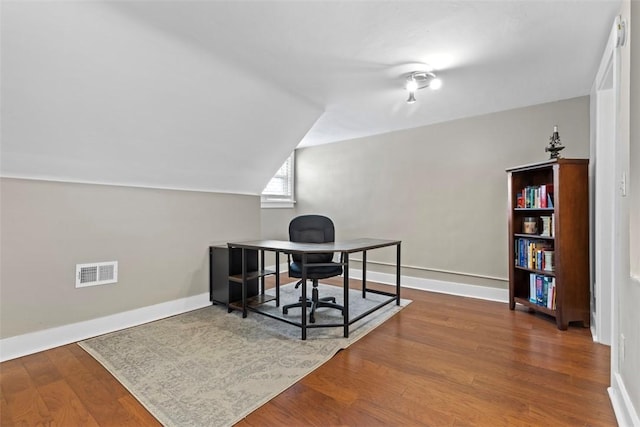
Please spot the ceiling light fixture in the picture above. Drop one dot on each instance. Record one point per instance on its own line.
(420, 80)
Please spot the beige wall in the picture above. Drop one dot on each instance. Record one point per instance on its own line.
(275, 222)
(441, 189)
(159, 237)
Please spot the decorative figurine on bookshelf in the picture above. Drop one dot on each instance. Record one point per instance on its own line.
(555, 146)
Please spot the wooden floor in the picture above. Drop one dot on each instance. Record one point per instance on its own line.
(442, 361)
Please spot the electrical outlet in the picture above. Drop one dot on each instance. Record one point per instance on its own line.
(623, 185)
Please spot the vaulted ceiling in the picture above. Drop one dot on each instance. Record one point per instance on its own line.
(213, 95)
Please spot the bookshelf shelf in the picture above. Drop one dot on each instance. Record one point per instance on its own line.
(535, 271)
(253, 301)
(533, 236)
(525, 302)
(541, 236)
(251, 275)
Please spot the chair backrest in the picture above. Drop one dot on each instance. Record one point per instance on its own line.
(312, 229)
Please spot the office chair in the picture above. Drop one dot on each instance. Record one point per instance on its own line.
(313, 229)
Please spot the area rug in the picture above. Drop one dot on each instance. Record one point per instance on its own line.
(208, 367)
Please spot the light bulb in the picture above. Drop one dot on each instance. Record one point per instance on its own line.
(435, 84)
(412, 85)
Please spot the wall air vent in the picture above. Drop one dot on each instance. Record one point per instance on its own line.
(97, 273)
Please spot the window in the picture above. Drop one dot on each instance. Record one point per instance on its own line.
(279, 191)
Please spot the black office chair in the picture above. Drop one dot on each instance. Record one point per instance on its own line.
(313, 229)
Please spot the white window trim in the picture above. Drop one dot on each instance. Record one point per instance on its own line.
(270, 201)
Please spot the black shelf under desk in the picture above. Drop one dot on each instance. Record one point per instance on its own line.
(225, 277)
(225, 262)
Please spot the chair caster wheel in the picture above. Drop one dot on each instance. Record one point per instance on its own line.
(285, 311)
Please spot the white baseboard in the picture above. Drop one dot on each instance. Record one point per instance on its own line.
(594, 333)
(33, 342)
(626, 414)
(440, 286)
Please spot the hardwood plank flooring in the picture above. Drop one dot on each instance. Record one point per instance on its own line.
(442, 361)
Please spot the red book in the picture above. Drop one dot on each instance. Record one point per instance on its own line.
(549, 199)
(543, 196)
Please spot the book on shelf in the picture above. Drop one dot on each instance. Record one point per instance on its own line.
(532, 289)
(542, 290)
(548, 196)
(548, 262)
(551, 293)
(540, 297)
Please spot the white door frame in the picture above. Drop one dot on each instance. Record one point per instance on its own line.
(602, 171)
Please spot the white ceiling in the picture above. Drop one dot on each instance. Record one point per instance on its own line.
(214, 95)
(350, 58)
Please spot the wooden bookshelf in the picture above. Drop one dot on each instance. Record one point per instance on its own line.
(562, 286)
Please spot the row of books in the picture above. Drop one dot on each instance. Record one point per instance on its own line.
(542, 290)
(534, 254)
(535, 196)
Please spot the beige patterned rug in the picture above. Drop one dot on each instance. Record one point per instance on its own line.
(212, 368)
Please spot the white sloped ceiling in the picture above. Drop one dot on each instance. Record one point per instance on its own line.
(90, 94)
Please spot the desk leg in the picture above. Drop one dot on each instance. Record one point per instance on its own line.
(261, 267)
(244, 282)
(364, 274)
(398, 275)
(277, 279)
(346, 295)
(304, 296)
